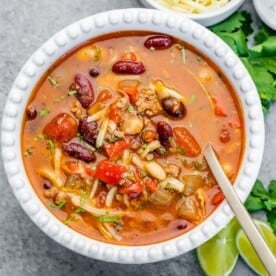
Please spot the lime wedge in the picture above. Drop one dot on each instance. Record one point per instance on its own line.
(248, 253)
(218, 256)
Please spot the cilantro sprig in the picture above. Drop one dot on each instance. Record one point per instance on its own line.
(260, 60)
(265, 200)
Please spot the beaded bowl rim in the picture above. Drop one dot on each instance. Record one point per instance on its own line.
(108, 22)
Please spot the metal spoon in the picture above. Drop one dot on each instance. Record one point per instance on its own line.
(253, 234)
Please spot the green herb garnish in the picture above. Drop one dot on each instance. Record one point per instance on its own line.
(69, 220)
(163, 150)
(260, 59)
(262, 199)
(52, 81)
(44, 111)
(130, 108)
(58, 206)
(80, 210)
(143, 174)
(98, 53)
(197, 165)
(109, 219)
(83, 199)
(28, 151)
(180, 150)
(51, 146)
(114, 139)
(72, 92)
(192, 99)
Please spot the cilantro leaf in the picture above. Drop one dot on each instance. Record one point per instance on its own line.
(109, 219)
(44, 111)
(263, 34)
(271, 218)
(265, 49)
(58, 206)
(238, 20)
(259, 190)
(260, 60)
(272, 189)
(254, 204)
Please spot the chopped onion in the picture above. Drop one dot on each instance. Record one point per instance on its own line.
(155, 170)
(164, 92)
(101, 133)
(126, 200)
(112, 231)
(57, 160)
(97, 116)
(150, 147)
(103, 231)
(137, 161)
(126, 158)
(172, 183)
(92, 210)
(94, 188)
(110, 196)
(161, 197)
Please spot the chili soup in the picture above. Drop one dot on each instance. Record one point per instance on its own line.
(113, 135)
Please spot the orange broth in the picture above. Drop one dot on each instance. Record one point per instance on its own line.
(213, 114)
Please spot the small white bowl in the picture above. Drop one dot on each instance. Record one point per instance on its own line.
(206, 19)
(266, 9)
(117, 20)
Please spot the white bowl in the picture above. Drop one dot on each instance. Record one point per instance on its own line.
(206, 19)
(96, 25)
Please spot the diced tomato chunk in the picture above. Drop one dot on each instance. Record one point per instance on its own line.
(218, 198)
(104, 96)
(115, 113)
(186, 141)
(220, 108)
(129, 56)
(115, 150)
(62, 128)
(130, 87)
(151, 184)
(109, 172)
(134, 188)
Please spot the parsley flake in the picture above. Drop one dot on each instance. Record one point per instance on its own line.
(44, 111)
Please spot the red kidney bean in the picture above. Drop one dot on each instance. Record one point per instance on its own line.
(88, 131)
(94, 72)
(159, 42)
(165, 133)
(128, 67)
(182, 225)
(174, 107)
(85, 90)
(31, 112)
(80, 152)
(47, 184)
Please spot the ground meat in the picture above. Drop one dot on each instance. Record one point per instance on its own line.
(51, 193)
(148, 102)
(60, 197)
(172, 169)
(225, 134)
(76, 109)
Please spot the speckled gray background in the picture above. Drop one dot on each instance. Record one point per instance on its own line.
(24, 249)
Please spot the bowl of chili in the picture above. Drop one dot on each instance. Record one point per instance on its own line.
(110, 142)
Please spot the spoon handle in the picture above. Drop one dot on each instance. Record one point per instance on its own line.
(253, 234)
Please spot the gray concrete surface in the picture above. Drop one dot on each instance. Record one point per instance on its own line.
(24, 249)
